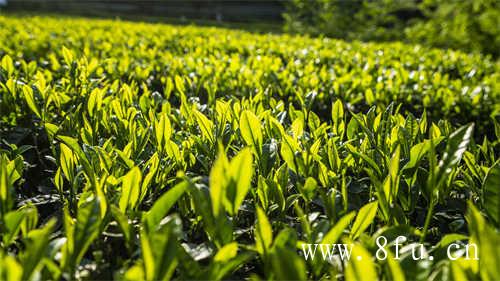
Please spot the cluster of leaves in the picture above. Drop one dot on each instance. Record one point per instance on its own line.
(470, 25)
(151, 152)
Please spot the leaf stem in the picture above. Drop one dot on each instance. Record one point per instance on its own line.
(427, 220)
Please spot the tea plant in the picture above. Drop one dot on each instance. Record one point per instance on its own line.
(140, 151)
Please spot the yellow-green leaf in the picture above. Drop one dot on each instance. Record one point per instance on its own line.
(364, 218)
(251, 131)
(360, 266)
(131, 184)
(30, 100)
(263, 232)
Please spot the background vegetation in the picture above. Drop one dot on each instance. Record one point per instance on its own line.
(469, 25)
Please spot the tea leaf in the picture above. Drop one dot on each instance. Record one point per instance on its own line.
(130, 189)
(250, 129)
(360, 266)
(456, 146)
(364, 219)
(491, 194)
(241, 172)
(333, 235)
(263, 233)
(30, 100)
(162, 205)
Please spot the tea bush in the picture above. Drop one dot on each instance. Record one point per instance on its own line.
(138, 151)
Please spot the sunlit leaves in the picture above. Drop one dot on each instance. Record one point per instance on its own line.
(206, 126)
(391, 182)
(94, 103)
(68, 56)
(161, 207)
(159, 252)
(80, 233)
(30, 100)
(37, 241)
(338, 118)
(10, 172)
(218, 182)
(241, 172)
(131, 188)
(419, 150)
(287, 265)
(456, 146)
(7, 64)
(12, 225)
(230, 181)
(360, 266)
(73, 144)
(333, 235)
(67, 161)
(251, 131)
(487, 239)
(289, 149)
(5, 192)
(226, 253)
(226, 260)
(263, 233)
(491, 195)
(364, 219)
(163, 131)
(10, 269)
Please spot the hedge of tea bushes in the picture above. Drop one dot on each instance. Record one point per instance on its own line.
(139, 151)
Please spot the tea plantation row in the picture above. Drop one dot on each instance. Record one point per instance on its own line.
(141, 151)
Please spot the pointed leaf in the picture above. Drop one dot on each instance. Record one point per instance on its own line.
(365, 217)
(131, 185)
(491, 194)
(333, 235)
(263, 232)
(251, 131)
(457, 144)
(162, 205)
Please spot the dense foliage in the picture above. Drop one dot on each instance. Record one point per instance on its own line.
(468, 25)
(471, 25)
(146, 152)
